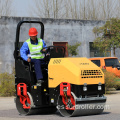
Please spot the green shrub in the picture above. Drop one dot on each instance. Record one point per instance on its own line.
(110, 80)
(117, 84)
(72, 49)
(7, 84)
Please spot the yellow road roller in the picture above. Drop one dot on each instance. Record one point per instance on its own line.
(73, 86)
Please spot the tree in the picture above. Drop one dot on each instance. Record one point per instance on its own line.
(76, 9)
(108, 35)
(5, 7)
(48, 8)
(72, 49)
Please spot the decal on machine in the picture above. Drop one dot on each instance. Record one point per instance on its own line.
(57, 61)
(84, 63)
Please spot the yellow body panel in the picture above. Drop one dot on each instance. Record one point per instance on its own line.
(73, 70)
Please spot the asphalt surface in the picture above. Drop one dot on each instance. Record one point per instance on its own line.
(112, 111)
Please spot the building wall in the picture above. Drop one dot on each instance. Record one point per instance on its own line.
(63, 30)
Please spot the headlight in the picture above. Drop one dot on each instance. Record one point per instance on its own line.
(85, 87)
(99, 88)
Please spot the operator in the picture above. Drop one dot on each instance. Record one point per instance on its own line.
(31, 52)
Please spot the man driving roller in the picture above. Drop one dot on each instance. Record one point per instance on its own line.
(31, 52)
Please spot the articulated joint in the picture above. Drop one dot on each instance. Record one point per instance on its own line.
(22, 93)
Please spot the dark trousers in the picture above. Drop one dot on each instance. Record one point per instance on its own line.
(37, 66)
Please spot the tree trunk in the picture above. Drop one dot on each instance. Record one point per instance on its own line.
(114, 52)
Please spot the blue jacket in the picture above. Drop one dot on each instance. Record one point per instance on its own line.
(24, 50)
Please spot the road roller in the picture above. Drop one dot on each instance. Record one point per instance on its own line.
(73, 86)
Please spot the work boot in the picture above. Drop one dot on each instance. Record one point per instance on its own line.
(39, 82)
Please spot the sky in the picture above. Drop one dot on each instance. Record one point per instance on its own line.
(21, 7)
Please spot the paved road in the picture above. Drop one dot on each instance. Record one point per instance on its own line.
(8, 111)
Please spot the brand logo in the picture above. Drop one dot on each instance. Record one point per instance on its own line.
(84, 63)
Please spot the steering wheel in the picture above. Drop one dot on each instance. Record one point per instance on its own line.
(53, 52)
(46, 53)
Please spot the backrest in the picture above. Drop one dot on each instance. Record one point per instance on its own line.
(57, 52)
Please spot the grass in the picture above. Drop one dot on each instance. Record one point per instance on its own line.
(7, 84)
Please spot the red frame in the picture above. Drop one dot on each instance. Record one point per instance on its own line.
(24, 97)
(64, 100)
